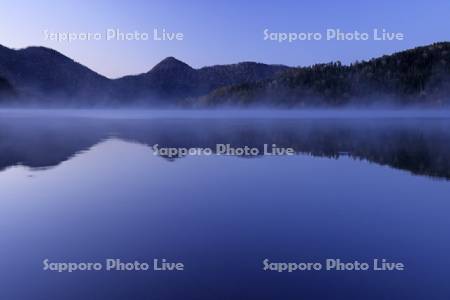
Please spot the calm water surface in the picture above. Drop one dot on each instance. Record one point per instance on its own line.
(86, 187)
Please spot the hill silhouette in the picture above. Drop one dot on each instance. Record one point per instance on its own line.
(420, 76)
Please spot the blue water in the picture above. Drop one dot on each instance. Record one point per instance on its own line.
(83, 189)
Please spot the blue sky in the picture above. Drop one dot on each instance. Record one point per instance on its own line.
(220, 32)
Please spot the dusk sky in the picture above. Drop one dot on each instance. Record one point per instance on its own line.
(220, 32)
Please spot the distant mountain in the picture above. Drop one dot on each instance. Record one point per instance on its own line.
(170, 78)
(175, 80)
(245, 72)
(416, 76)
(38, 72)
(46, 76)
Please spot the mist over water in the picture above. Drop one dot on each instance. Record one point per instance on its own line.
(269, 113)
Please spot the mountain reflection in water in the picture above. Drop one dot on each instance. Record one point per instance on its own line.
(420, 146)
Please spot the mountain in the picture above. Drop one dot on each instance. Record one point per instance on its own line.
(416, 76)
(244, 72)
(175, 80)
(46, 76)
(170, 78)
(38, 72)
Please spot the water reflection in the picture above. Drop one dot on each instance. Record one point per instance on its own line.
(421, 146)
(110, 197)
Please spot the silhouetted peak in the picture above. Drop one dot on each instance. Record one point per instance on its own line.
(38, 50)
(171, 63)
(171, 59)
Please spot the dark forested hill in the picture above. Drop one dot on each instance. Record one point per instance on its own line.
(416, 76)
(245, 72)
(43, 73)
(6, 89)
(172, 79)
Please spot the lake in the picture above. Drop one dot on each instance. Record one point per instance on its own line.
(87, 186)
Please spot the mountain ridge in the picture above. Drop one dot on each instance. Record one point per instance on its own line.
(47, 75)
(418, 76)
(39, 72)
